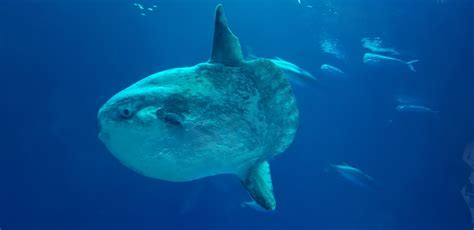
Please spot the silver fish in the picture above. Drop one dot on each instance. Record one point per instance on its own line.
(416, 109)
(293, 72)
(355, 176)
(331, 70)
(370, 58)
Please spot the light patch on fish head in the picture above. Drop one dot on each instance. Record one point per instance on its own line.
(371, 60)
(150, 129)
(401, 107)
(346, 169)
(324, 67)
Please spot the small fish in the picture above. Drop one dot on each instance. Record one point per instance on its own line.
(299, 2)
(253, 205)
(142, 14)
(370, 58)
(416, 109)
(154, 6)
(355, 176)
(295, 73)
(331, 70)
(150, 9)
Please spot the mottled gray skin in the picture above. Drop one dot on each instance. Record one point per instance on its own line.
(224, 116)
(231, 118)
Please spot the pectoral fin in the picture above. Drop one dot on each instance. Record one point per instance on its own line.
(258, 183)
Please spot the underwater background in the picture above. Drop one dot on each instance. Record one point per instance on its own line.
(61, 60)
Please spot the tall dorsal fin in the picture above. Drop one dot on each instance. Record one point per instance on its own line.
(226, 47)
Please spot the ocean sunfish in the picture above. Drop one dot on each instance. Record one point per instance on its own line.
(370, 58)
(223, 116)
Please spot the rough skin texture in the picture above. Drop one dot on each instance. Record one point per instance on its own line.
(193, 122)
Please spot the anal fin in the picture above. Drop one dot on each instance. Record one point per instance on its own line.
(258, 183)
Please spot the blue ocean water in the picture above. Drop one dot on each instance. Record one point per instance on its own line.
(61, 60)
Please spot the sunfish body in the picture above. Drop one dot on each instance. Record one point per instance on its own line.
(331, 70)
(224, 116)
(370, 58)
(355, 176)
(294, 73)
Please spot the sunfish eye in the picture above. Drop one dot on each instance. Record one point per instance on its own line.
(125, 113)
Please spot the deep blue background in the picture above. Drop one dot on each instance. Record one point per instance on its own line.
(61, 60)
